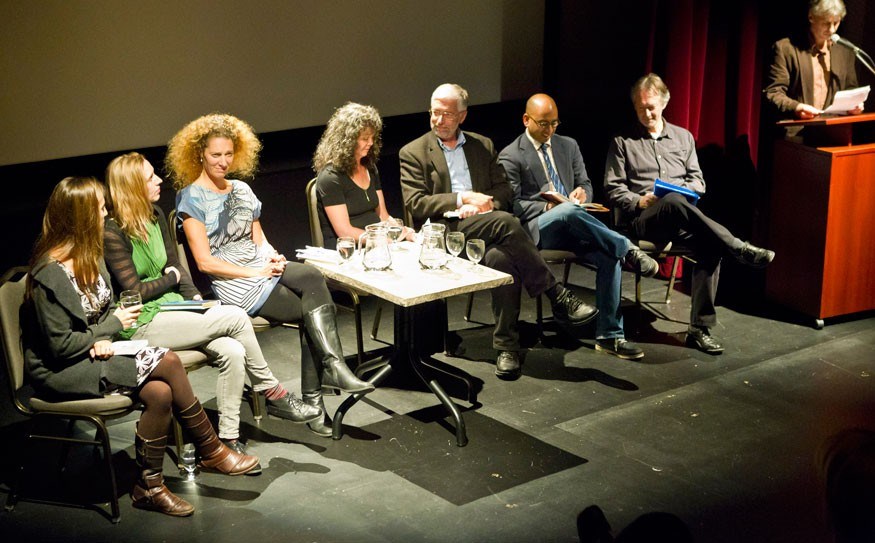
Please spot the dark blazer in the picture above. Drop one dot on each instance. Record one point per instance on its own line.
(527, 178)
(425, 176)
(791, 78)
(57, 337)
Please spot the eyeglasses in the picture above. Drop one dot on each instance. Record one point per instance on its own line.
(448, 115)
(546, 124)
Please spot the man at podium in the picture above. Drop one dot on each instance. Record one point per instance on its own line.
(807, 70)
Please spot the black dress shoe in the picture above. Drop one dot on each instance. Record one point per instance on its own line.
(701, 339)
(291, 408)
(641, 262)
(569, 309)
(239, 447)
(509, 365)
(753, 256)
(620, 348)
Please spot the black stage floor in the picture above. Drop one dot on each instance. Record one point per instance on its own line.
(727, 443)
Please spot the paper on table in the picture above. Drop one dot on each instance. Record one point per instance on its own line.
(847, 100)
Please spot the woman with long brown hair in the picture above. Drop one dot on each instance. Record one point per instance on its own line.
(68, 323)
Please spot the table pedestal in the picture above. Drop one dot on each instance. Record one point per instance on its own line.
(407, 357)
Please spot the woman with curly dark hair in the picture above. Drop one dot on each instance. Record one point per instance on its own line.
(221, 220)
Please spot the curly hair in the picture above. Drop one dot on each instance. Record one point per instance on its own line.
(338, 143)
(185, 150)
(131, 207)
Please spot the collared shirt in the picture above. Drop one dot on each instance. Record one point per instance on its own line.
(460, 176)
(635, 162)
(537, 145)
(820, 67)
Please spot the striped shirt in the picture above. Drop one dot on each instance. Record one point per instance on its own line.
(228, 220)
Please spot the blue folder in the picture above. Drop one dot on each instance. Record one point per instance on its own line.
(661, 188)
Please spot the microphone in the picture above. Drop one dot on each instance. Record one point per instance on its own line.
(835, 38)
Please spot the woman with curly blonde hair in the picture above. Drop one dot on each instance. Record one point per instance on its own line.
(221, 220)
(347, 183)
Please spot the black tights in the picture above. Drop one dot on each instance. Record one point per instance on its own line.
(166, 388)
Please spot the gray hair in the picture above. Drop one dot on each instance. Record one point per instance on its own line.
(651, 83)
(820, 9)
(451, 90)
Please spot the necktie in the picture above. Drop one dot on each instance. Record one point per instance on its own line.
(551, 172)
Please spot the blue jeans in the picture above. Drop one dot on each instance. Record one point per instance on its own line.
(571, 228)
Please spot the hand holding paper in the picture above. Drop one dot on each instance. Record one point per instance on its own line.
(848, 101)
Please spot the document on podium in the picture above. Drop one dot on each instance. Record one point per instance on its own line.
(847, 100)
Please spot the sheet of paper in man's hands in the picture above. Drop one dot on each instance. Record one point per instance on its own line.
(847, 100)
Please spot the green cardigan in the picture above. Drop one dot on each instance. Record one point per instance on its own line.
(57, 337)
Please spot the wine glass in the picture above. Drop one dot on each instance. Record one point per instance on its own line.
(475, 248)
(395, 229)
(130, 298)
(455, 242)
(345, 248)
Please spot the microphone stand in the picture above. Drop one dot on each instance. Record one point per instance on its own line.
(865, 60)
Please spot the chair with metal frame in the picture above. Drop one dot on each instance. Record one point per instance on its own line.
(95, 411)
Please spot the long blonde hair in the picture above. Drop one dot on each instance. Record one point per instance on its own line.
(186, 149)
(73, 229)
(132, 209)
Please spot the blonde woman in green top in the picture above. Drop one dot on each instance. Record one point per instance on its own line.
(141, 256)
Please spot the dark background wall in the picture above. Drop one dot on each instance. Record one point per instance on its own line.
(588, 55)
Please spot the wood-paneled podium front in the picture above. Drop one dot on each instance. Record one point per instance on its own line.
(822, 218)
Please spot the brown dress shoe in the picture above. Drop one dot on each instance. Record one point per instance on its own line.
(150, 493)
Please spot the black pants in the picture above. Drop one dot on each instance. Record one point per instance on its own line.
(508, 249)
(672, 217)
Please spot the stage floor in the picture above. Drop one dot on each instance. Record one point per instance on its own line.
(726, 442)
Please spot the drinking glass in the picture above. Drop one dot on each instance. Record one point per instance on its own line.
(345, 248)
(455, 242)
(475, 248)
(130, 298)
(395, 230)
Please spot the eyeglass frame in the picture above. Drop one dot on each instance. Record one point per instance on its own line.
(547, 124)
(448, 115)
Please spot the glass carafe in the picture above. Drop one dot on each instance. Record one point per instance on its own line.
(374, 247)
(433, 254)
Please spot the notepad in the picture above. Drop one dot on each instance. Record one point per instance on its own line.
(189, 305)
(661, 188)
(557, 198)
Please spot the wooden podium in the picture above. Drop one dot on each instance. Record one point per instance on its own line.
(822, 219)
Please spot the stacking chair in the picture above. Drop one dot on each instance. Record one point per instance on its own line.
(353, 295)
(41, 413)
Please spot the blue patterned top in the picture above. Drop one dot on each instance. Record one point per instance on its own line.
(228, 220)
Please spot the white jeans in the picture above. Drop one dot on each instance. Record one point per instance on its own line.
(225, 333)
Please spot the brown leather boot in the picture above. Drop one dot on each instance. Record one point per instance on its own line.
(215, 455)
(149, 491)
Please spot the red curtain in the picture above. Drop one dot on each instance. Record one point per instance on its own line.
(708, 54)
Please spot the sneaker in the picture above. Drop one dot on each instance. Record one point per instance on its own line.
(641, 262)
(239, 447)
(620, 348)
(508, 366)
(701, 338)
(753, 256)
(569, 309)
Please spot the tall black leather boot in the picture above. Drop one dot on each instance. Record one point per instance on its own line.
(321, 326)
(149, 491)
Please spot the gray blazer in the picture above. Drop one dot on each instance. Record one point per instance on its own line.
(527, 178)
(57, 337)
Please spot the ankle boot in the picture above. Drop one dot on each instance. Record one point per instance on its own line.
(321, 426)
(321, 326)
(215, 455)
(149, 491)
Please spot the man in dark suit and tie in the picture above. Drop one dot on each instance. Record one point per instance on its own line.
(539, 161)
(450, 170)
